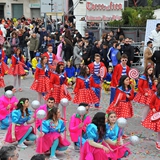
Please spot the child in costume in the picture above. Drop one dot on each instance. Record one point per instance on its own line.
(82, 90)
(145, 92)
(2, 72)
(94, 145)
(112, 137)
(154, 108)
(155, 83)
(2, 58)
(107, 80)
(121, 104)
(17, 67)
(77, 127)
(52, 138)
(17, 130)
(120, 70)
(41, 82)
(46, 107)
(35, 61)
(6, 107)
(70, 72)
(95, 70)
(58, 84)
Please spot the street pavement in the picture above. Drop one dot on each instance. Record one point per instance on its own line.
(145, 150)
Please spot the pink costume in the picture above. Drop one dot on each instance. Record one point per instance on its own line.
(59, 52)
(4, 113)
(74, 130)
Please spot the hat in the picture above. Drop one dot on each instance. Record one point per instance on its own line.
(37, 54)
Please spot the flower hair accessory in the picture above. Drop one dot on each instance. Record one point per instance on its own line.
(60, 63)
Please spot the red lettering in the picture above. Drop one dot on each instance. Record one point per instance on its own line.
(120, 7)
(89, 6)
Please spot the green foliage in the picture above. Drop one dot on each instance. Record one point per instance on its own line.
(150, 2)
(134, 17)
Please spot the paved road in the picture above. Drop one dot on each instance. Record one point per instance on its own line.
(144, 151)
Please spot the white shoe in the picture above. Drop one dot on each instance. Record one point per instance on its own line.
(53, 158)
(21, 145)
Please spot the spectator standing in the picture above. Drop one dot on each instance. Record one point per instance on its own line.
(148, 54)
(34, 43)
(14, 41)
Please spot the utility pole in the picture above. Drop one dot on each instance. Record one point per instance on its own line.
(52, 5)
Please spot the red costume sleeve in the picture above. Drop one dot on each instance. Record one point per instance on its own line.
(93, 84)
(115, 75)
(13, 61)
(132, 95)
(37, 73)
(140, 86)
(52, 80)
(77, 86)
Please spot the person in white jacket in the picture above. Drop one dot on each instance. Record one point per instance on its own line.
(3, 30)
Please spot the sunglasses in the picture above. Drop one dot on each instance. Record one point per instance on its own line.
(124, 60)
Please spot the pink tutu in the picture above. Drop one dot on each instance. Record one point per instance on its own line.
(47, 142)
(20, 131)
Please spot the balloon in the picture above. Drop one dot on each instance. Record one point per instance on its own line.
(81, 110)
(64, 102)
(9, 94)
(41, 114)
(134, 140)
(35, 104)
(122, 122)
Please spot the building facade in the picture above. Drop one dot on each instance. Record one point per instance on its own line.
(17, 8)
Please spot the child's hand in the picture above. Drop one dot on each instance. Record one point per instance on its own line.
(154, 110)
(127, 95)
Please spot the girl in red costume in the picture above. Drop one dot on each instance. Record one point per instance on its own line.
(154, 108)
(2, 57)
(2, 84)
(41, 82)
(58, 82)
(17, 67)
(82, 90)
(122, 102)
(145, 92)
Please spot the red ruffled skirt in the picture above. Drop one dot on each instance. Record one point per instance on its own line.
(17, 70)
(47, 142)
(6, 68)
(85, 96)
(20, 131)
(59, 92)
(122, 109)
(141, 98)
(42, 86)
(2, 84)
(153, 125)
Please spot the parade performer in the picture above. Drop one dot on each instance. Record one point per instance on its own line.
(82, 90)
(145, 92)
(50, 57)
(78, 125)
(2, 58)
(52, 134)
(95, 70)
(112, 136)
(17, 67)
(7, 105)
(41, 82)
(94, 147)
(107, 80)
(46, 107)
(17, 130)
(70, 72)
(154, 123)
(120, 70)
(121, 104)
(58, 84)
(2, 72)
(35, 61)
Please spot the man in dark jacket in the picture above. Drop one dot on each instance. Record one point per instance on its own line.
(95, 49)
(129, 51)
